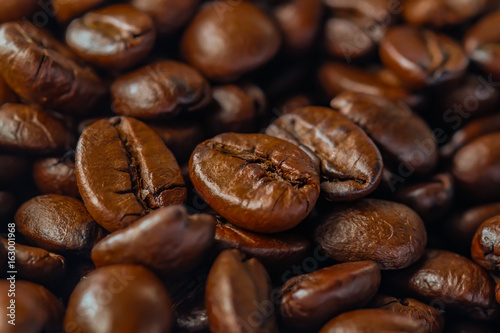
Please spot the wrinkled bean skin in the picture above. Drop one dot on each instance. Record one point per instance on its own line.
(388, 233)
(403, 138)
(37, 309)
(273, 185)
(246, 38)
(422, 58)
(453, 280)
(371, 320)
(67, 10)
(11, 10)
(168, 15)
(485, 249)
(431, 320)
(350, 163)
(54, 175)
(482, 154)
(312, 299)
(43, 71)
(235, 289)
(273, 251)
(160, 90)
(124, 171)
(58, 224)
(31, 130)
(168, 241)
(115, 37)
(139, 302)
(439, 13)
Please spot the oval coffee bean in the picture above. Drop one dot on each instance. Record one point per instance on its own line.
(31, 130)
(255, 181)
(485, 248)
(245, 36)
(350, 163)
(119, 298)
(11, 10)
(43, 71)
(58, 224)
(439, 13)
(237, 289)
(54, 175)
(404, 139)
(386, 232)
(159, 90)
(430, 319)
(422, 58)
(310, 300)
(124, 171)
(372, 320)
(114, 38)
(66, 10)
(168, 241)
(36, 309)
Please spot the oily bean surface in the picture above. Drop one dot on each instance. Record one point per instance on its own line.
(66, 10)
(485, 249)
(439, 13)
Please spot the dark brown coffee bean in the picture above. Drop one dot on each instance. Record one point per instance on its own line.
(422, 58)
(350, 163)
(125, 171)
(372, 320)
(237, 295)
(167, 241)
(168, 15)
(160, 90)
(11, 10)
(12, 168)
(114, 38)
(439, 13)
(66, 10)
(451, 280)
(43, 71)
(431, 200)
(6, 94)
(35, 264)
(255, 181)
(245, 36)
(31, 130)
(310, 300)
(35, 309)
(293, 103)
(273, 251)
(485, 249)
(404, 139)
(53, 175)
(119, 298)
(58, 224)
(476, 167)
(389, 233)
(431, 319)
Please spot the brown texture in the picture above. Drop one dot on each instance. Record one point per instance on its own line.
(66, 10)
(485, 249)
(11, 10)
(439, 13)
(54, 175)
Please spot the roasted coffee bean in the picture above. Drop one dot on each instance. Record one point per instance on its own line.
(430, 319)
(310, 300)
(439, 13)
(12, 167)
(35, 264)
(450, 279)
(422, 58)
(31, 130)
(431, 200)
(389, 233)
(255, 181)
(237, 289)
(372, 320)
(350, 163)
(476, 168)
(274, 251)
(404, 139)
(58, 224)
(124, 171)
(135, 301)
(293, 103)
(481, 44)
(168, 15)
(114, 38)
(485, 249)
(43, 71)
(11, 10)
(167, 241)
(6, 94)
(53, 175)
(35, 309)
(497, 292)
(160, 90)
(245, 36)
(66, 10)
